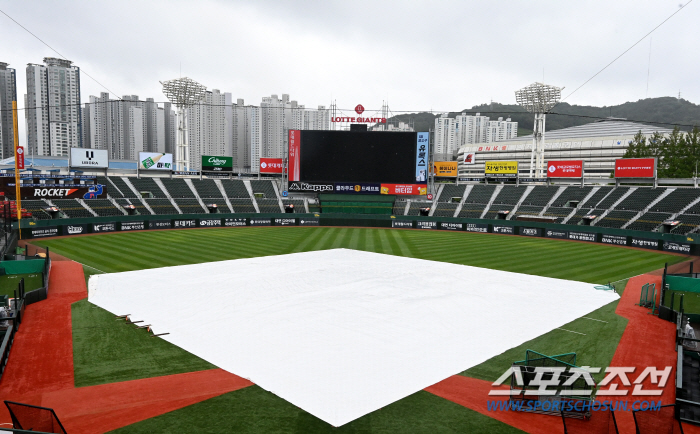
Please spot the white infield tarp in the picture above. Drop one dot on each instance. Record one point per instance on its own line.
(341, 333)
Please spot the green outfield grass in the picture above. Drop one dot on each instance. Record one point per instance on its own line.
(254, 410)
(10, 282)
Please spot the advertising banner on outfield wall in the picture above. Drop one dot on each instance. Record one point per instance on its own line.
(312, 187)
(644, 243)
(235, 222)
(618, 240)
(426, 225)
(260, 222)
(285, 222)
(635, 168)
(271, 165)
(160, 224)
(531, 232)
(445, 226)
(182, 224)
(405, 189)
(503, 230)
(501, 169)
(155, 161)
(422, 155)
(446, 169)
(582, 236)
(294, 157)
(104, 227)
(565, 169)
(133, 226)
(91, 158)
(477, 227)
(357, 188)
(209, 223)
(556, 234)
(212, 163)
(308, 222)
(401, 224)
(49, 231)
(676, 247)
(75, 229)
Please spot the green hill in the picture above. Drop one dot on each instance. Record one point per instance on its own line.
(663, 112)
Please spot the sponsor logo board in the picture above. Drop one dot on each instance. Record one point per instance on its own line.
(676, 247)
(531, 232)
(294, 156)
(644, 243)
(469, 158)
(401, 224)
(155, 161)
(311, 186)
(556, 234)
(501, 169)
(209, 223)
(160, 224)
(635, 168)
(133, 226)
(404, 189)
(212, 163)
(260, 222)
(285, 222)
(308, 222)
(271, 165)
(503, 230)
(426, 225)
(451, 226)
(357, 188)
(618, 240)
(445, 169)
(104, 227)
(75, 229)
(50, 231)
(582, 236)
(565, 169)
(476, 227)
(189, 223)
(82, 157)
(422, 152)
(234, 222)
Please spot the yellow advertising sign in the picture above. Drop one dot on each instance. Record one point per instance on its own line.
(445, 168)
(507, 169)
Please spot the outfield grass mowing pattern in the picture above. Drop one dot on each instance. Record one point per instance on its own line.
(10, 282)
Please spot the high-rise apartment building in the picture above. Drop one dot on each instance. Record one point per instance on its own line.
(464, 129)
(246, 135)
(54, 118)
(210, 127)
(8, 93)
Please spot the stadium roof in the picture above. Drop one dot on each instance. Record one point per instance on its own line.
(604, 128)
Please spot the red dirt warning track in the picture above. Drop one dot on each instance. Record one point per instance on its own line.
(646, 341)
(40, 370)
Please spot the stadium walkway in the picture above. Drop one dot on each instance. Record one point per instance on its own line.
(40, 370)
(646, 341)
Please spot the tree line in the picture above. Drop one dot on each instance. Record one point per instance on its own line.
(677, 154)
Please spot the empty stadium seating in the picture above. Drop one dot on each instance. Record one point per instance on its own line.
(147, 185)
(450, 191)
(235, 188)
(416, 206)
(189, 206)
(36, 207)
(571, 194)
(639, 199)
(540, 195)
(615, 219)
(72, 208)
(472, 211)
(529, 209)
(268, 205)
(263, 186)
(177, 187)
(103, 207)
(445, 209)
(676, 200)
(480, 194)
(298, 204)
(161, 206)
(206, 188)
(140, 209)
(242, 205)
(649, 221)
(123, 188)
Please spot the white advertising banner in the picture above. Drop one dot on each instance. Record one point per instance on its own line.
(155, 161)
(84, 157)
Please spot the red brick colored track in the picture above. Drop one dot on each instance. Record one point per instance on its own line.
(40, 370)
(646, 341)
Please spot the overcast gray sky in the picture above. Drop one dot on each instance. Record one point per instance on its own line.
(418, 55)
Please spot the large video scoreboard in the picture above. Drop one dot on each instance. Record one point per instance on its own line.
(358, 161)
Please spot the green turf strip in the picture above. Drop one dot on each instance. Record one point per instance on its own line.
(106, 350)
(254, 410)
(10, 282)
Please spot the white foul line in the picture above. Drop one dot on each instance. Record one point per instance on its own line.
(572, 332)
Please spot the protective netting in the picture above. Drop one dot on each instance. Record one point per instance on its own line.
(600, 422)
(30, 417)
(661, 421)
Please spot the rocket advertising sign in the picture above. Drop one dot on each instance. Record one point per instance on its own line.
(565, 169)
(635, 168)
(294, 157)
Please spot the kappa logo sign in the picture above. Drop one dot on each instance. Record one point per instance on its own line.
(53, 192)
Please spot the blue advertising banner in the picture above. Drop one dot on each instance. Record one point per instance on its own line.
(422, 153)
(357, 188)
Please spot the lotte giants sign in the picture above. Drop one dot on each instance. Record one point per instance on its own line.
(635, 168)
(565, 169)
(271, 165)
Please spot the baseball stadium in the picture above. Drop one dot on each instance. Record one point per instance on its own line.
(345, 297)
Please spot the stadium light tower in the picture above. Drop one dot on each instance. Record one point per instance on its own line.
(538, 98)
(183, 92)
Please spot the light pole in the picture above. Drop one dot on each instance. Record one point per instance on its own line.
(183, 92)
